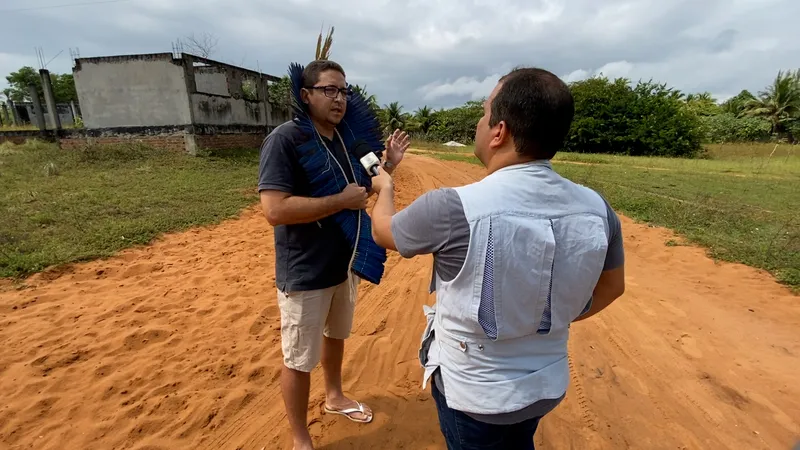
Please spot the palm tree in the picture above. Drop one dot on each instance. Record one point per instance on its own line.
(393, 117)
(702, 104)
(780, 102)
(424, 118)
(324, 48)
(736, 105)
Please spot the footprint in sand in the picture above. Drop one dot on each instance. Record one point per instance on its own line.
(688, 345)
(627, 378)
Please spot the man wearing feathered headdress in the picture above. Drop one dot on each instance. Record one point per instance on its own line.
(313, 192)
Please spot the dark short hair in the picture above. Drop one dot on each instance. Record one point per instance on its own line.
(313, 70)
(537, 108)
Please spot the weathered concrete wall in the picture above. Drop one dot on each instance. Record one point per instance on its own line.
(215, 110)
(132, 91)
(278, 115)
(211, 80)
(64, 113)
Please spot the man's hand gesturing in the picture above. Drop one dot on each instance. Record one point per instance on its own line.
(353, 197)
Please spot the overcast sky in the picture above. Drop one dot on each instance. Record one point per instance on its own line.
(439, 52)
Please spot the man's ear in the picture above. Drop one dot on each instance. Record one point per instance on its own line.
(304, 95)
(499, 135)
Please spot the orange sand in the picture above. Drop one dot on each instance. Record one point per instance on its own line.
(177, 346)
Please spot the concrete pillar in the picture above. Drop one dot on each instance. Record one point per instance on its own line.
(265, 101)
(50, 99)
(37, 108)
(14, 115)
(74, 108)
(190, 143)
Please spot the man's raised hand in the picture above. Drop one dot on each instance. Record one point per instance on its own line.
(396, 146)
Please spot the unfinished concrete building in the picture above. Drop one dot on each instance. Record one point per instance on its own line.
(163, 99)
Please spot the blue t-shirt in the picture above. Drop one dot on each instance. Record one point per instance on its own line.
(308, 256)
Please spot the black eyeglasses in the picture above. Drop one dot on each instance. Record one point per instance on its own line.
(332, 91)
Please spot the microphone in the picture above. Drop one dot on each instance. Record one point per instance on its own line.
(367, 157)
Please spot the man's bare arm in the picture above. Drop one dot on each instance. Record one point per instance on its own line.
(281, 208)
(382, 214)
(610, 287)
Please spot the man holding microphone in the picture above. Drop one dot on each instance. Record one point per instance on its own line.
(316, 285)
(518, 256)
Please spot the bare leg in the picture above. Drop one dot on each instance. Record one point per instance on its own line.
(295, 386)
(332, 355)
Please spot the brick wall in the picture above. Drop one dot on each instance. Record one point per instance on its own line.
(166, 142)
(229, 141)
(13, 139)
(20, 136)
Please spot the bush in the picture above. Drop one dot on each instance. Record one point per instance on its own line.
(646, 120)
(456, 124)
(794, 130)
(727, 127)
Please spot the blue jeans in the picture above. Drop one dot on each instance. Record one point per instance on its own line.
(462, 432)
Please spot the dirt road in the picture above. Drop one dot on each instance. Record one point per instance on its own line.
(177, 345)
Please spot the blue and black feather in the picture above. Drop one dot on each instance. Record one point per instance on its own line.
(325, 178)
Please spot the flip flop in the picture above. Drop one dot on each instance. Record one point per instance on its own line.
(348, 411)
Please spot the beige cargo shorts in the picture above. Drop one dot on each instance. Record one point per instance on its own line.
(306, 316)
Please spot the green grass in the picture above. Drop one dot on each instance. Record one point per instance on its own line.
(65, 206)
(737, 201)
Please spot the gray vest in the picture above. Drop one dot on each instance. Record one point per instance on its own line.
(537, 246)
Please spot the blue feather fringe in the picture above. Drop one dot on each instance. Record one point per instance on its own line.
(325, 178)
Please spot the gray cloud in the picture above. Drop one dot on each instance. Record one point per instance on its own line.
(445, 52)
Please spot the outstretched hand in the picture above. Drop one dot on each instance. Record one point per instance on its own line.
(396, 146)
(381, 181)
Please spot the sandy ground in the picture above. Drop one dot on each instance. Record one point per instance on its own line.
(177, 346)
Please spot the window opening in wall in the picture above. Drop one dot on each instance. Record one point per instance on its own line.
(249, 89)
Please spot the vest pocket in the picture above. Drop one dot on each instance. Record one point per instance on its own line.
(524, 253)
(583, 245)
(427, 334)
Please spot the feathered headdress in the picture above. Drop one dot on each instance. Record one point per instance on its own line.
(359, 123)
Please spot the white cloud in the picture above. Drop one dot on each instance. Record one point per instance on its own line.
(11, 62)
(463, 86)
(442, 52)
(576, 75)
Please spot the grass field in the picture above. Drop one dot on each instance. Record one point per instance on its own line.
(65, 206)
(739, 201)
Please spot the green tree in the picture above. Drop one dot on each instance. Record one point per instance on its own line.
(702, 104)
(392, 117)
(424, 119)
(737, 105)
(648, 119)
(19, 82)
(63, 85)
(456, 124)
(779, 102)
(280, 93)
